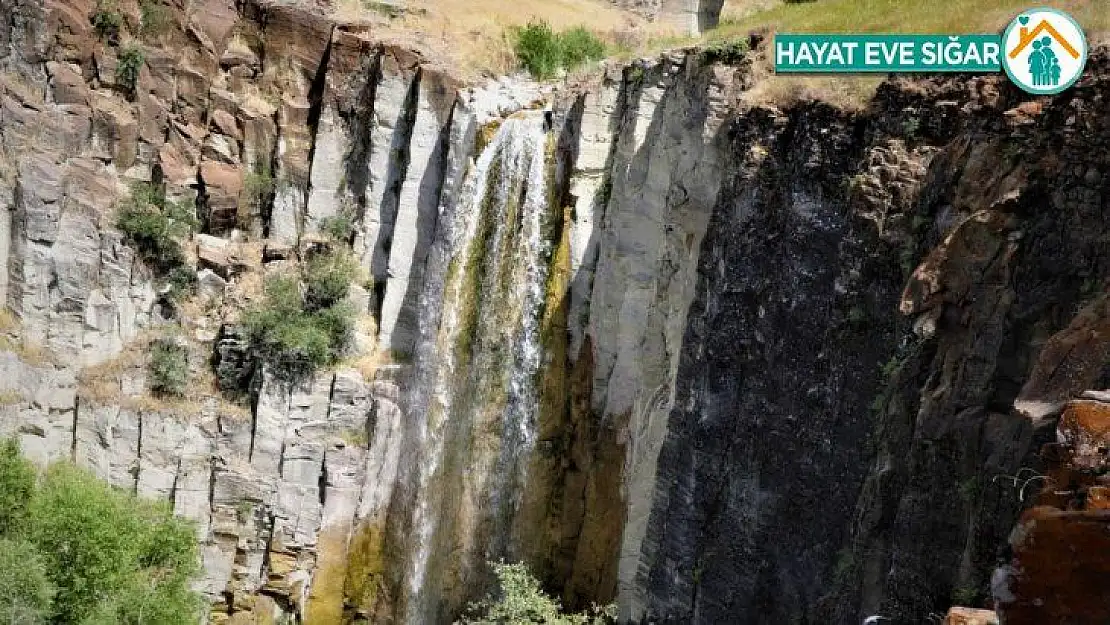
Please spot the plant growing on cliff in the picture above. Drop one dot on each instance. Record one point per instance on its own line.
(258, 188)
(727, 51)
(153, 225)
(519, 599)
(303, 322)
(169, 368)
(128, 64)
(339, 227)
(107, 21)
(85, 553)
(543, 52)
(156, 18)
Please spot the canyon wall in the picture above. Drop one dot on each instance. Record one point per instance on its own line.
(713, 361)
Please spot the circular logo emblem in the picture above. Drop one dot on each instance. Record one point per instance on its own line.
(1044, 51)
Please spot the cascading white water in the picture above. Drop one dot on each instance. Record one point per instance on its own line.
(489, 352)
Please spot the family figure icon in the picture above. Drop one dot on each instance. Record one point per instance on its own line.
(1045, 70)
(1043, 64)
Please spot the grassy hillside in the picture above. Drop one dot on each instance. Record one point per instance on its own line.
(898, 16)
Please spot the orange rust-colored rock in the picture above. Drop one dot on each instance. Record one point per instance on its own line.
(1061, 568)
(970, 616)
(1085, 429)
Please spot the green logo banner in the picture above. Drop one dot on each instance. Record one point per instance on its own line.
(797, 53)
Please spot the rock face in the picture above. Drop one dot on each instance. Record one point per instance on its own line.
(713, 362)
(691, 17)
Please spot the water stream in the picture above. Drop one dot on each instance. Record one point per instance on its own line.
(480, 422)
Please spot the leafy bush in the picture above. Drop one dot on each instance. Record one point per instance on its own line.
(543, 52)
(153, 225)
(580, 46)
(728, 51)
(169, 368)
(17, 482)
(521, 600)
(128, 64)
(25, 589)
(89, 554)
(107, 20)
(338, 227)
(301, 326)
(327, 278)
(156, 18)
(258, 187)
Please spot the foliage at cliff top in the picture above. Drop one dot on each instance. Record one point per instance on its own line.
(73, 550)
(543, 52)
(303, 321)
(519, 599)
(470, 36)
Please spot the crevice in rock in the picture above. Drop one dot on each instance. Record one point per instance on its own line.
(398, 171)
(73, 429)
(359, 121)
(138, 453)
(322, 481)
(266, 202)
(173, 485)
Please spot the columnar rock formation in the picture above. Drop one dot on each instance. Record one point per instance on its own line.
(712, 361)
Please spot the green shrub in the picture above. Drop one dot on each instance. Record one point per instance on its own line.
(727, 51)
(258, 186)
(128, 64)
(543, 52)
(169, 368)
(153, 225)
(327, 279)
(107, 21)
(88, 554)
(537, 48)
(25, 589)
(579, 46)
(301, 326)
(520, 599)
(156, 18)
(17, 482)
(338, 227)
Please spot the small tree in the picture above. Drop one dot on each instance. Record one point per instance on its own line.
(520, 600)
(105, 550)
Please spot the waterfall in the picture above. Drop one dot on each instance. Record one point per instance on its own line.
(480, 423)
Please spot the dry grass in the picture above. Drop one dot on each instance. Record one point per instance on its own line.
(11, 397)
(471, 34)
(11, 340)
(103, 384)
(848, 92)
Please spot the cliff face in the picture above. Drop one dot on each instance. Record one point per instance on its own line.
(715, 362)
